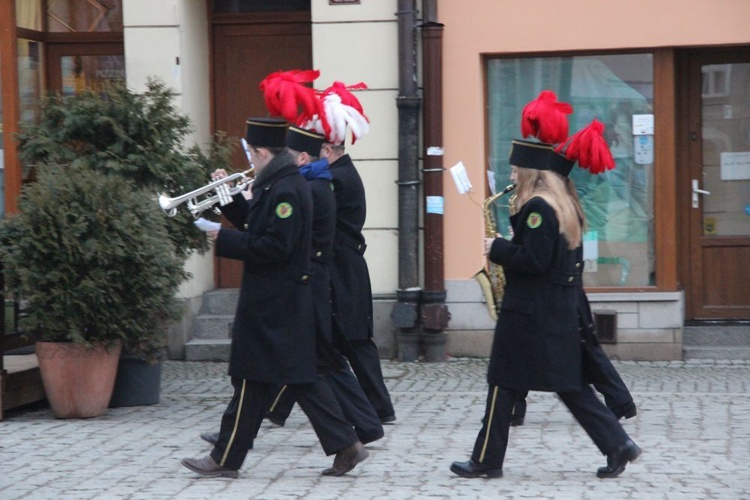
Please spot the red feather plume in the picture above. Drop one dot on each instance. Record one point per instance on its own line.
(347, 99)
(589, 148)
(286, 95)
(546, 119)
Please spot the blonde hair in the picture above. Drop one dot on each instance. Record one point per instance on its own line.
(556, 191)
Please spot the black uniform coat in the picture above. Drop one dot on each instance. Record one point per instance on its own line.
(273, 338)
(350, 276)
(323, 230)
(537, 341)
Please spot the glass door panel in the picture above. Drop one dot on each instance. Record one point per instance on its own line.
(725, 120)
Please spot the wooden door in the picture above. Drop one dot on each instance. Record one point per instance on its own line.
(243, 54)
(716, 184)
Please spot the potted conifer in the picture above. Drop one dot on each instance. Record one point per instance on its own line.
(136, 143)
(95, 265)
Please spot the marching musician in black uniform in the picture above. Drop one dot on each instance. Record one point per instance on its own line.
(273, 337)
(305, 146)
(537, 343)
(350, 277)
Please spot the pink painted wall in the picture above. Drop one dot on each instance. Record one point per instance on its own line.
(477, 27)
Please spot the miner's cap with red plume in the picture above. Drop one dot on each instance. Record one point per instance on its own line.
(546, 119)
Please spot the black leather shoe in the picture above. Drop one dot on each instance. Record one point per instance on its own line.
(474, 469)
(206, 466)
(210, 437)
(618, 459)
(347, 459)
(516, 422)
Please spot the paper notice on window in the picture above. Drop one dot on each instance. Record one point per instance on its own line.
(643, 149)
(643, 124)
(735, 166)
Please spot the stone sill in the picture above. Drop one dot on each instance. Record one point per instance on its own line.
(635, 297)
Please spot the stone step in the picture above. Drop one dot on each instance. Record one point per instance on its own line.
(213, 326)
(710, 335)
(207, 350)
(220, 301)
(716, 352)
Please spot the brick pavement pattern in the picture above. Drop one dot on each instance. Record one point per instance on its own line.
(693, 424)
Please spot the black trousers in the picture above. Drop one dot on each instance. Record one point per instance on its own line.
(354, 404)
(492, 441)
(606, 380)
(601, 373)
(244, 415)
(365, 361)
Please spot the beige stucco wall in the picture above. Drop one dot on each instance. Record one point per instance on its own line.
(359, 43)
(168, 39)
(477, 27)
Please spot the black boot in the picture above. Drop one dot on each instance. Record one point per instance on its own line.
(474, 469)
(618, 459)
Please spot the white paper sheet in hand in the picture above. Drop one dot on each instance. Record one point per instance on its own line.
(207, 225)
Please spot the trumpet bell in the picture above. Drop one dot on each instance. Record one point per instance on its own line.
(168, 204)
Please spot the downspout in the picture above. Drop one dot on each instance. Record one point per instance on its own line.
(405, 314)
(435, 314)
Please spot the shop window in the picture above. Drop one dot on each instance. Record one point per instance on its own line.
(2, 147)
(29, 78)
(616, 89)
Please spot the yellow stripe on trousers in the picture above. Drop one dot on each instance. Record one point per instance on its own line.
(278, 396)
(488, 425)
(236, 422)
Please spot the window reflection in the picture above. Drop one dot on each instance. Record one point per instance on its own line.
(29, 14)
(92, 72)
(29, 83)
(2, 148)
(84, 16)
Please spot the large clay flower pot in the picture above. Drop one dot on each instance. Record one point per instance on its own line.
(78, 381)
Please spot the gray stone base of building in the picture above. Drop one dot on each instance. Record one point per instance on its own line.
(649, 325)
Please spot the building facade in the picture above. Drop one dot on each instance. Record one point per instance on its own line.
(672, 90)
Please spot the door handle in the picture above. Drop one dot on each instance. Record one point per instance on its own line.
(696, 192)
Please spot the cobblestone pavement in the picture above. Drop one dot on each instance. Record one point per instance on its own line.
(693, 425)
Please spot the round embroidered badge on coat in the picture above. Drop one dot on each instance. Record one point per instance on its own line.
(283, 210)
(534, 220)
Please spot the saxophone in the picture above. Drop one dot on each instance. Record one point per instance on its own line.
(491, 278)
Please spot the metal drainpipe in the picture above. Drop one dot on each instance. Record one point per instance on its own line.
(405, 314)
(435, 314)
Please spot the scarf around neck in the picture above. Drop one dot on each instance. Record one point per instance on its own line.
(316, 170)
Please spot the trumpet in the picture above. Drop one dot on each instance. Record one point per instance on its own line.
(222, 195)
